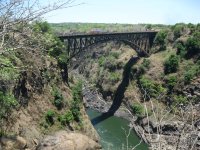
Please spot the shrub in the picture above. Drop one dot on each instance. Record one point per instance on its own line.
(58, 99)
(66, 118)
(110, 63)
(7, 69)
(42, 27)
(146, 63)
(160, 39)
(77, 97)
(101, 61)
(191, 27)
(114, 77)
(148, 26)
(191, 72)
(171, 82)
(115, 54)
(55, 47)
(141, 69)
(193, 45)
(7, 103)
(69, 116)
(179, 99)
(171, 64)
(181, 49)
(152, 89)
(63, 60)
(178, 30)
(137, 109)
(198, 27)
(50, 116)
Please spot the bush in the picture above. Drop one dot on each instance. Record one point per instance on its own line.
(63, 60)
(58, 99)
(161, 39)
(146, 63)
(191, 72)
(181, 49)
(8, 70)
(55, 47)
(50, 117)
(77, 97)
(114, 77)
(152, 89)
(148, 26)
(193, 45)
(42, 27)
(110, 63)
(178, 30)
(137, 109)
(141, 69)
(171, 82)
(115, 54)
(171, 64)
(7, 103)
(101, 61)
(191, 27)
(179, 99)
(66, 118)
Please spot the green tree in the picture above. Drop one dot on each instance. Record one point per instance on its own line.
(50, 117)
(160, 39)
(42, 27)
(77, 98)
(58, 99)
(171, 82)
(193, 45)
(67, 118)
(178, 30)
(138, 109)
(150, 88)
(181, 49)
(171, 64)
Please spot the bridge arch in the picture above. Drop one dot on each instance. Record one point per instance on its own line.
(141, 42)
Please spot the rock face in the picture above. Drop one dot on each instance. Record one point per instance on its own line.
(12, 143)
(63, 140)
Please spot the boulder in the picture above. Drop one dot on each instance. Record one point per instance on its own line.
(63, 140)
(169, 128)
(13, 143)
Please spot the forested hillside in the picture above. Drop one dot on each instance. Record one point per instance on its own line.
(74, 28)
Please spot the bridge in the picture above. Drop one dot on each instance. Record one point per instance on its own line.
(141, 42)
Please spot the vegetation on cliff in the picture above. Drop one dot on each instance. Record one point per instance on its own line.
(35, 98)
(163, 88)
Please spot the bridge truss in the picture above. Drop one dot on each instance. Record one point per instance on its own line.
(141, 42)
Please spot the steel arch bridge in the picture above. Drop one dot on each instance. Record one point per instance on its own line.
(141, 42)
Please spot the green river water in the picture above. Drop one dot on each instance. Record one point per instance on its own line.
(112, 133)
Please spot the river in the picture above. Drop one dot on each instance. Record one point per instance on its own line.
(112, 132)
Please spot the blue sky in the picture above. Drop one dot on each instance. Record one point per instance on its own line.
(130, 11)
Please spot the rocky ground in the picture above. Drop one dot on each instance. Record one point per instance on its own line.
(172, 134)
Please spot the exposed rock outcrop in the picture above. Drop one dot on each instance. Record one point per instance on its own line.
(63, 140)
(12, 143)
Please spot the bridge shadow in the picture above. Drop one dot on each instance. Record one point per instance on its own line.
(119, 94)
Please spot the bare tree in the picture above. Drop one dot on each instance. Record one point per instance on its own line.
(16, 15)
(182, 134)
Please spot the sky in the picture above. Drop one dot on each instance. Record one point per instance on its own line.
(129, 11)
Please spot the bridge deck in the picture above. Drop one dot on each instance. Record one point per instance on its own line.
(104, 34)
